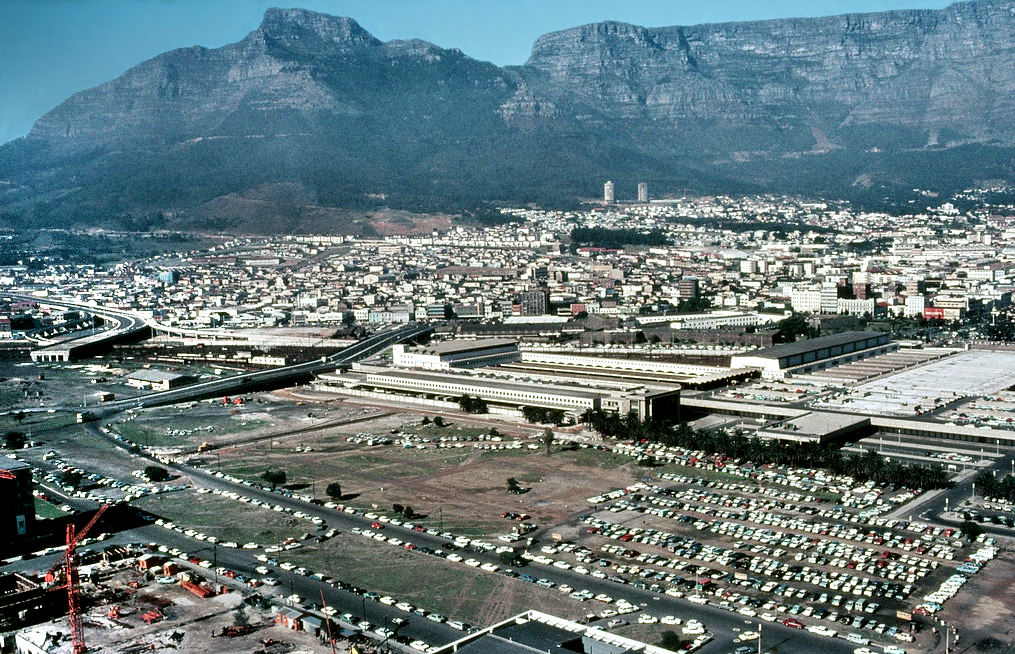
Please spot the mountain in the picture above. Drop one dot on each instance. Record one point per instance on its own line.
(310, 116)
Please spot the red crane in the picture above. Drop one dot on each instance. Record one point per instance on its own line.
(7, 474)
(70, 563)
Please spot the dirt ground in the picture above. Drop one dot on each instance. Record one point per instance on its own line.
(982, 613)
(462, 489)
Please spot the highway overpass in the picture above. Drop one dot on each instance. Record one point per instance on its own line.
(270, 379)
(122, 326)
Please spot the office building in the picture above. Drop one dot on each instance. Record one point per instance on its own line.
(533, 303)
(688, 288)
(608, 196)
(642, 192)
(17, 517)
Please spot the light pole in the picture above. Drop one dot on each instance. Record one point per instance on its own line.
(759, 637)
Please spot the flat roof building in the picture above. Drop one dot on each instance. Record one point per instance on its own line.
(512, 390)
(815, 353)
(17, 513)
(159, 380)
(456, 354)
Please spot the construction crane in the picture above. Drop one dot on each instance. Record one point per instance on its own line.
(72, 583)
(7, 474)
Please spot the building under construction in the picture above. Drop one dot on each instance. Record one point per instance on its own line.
(23, 601)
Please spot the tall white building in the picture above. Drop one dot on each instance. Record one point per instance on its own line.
(608, 192)
(642, 192)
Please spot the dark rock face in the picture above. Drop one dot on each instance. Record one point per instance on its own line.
(316, 104)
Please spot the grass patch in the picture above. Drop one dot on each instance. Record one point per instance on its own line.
(452, 590)
(39, 421)
(45, 510)
(226, 519)
(151, 429)
(594, 458)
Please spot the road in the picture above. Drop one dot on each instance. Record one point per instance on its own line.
(266, 379)
(720, 622)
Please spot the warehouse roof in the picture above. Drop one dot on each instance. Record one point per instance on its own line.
(454, 347)
(154, 375)
(811, 344)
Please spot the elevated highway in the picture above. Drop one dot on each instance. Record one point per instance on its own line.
(269, 379)
(122, 326)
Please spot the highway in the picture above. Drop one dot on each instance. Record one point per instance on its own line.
(125, 324)
(267, 379)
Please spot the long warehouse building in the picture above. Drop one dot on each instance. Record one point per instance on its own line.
(513, 391)
(815, 353)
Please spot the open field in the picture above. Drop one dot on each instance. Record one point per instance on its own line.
(44, 510)
(434, 584)
(459, 487)
(226, 519)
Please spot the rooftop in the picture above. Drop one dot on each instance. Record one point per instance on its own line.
(811, 344)
(155, 375)
(456, 346)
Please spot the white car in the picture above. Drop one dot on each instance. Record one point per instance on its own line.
(670, 619)
(693, 628)
(645, 618)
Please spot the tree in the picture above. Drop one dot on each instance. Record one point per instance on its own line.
(512, 485)
(334, 490)
(439, 422)
(397, 508)
(670, 640)
(71, 478)
(425, 421)
(19, 416)
(548, 438)
(14, 440)
(274, 477)
(408, 511)
(156, 473)
(971, 530)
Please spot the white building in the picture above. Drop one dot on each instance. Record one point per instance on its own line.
(457, 354)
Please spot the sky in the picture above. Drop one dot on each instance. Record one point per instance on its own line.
(50, 49)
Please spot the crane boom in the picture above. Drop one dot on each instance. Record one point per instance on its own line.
(70, 561)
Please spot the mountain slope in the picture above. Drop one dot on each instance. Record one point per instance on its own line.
(316, 106)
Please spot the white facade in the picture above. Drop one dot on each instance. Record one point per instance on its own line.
(806, 300)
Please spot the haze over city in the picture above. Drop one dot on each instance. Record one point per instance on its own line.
(455, 327)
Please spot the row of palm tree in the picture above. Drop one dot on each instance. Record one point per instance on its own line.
(867, 466)
(991, 486)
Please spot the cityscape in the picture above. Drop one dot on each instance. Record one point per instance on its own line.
(628, 408)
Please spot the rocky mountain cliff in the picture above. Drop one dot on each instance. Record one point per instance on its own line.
(315, 114)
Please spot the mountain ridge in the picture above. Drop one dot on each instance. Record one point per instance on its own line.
(313, 102)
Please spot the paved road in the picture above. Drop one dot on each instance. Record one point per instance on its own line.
(263, 379)
(720, 622)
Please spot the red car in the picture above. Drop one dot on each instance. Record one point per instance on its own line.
(791, 622)
(376, 525)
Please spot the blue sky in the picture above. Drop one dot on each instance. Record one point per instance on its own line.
(50, 49)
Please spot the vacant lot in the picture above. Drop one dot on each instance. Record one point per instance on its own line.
(227, 520)
(449, 589)
(460, 487)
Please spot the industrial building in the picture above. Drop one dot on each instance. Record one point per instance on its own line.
(511, 391)
(158, 380)
(17, 513)
(642, 370)
(815, 353)
(456, 354)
